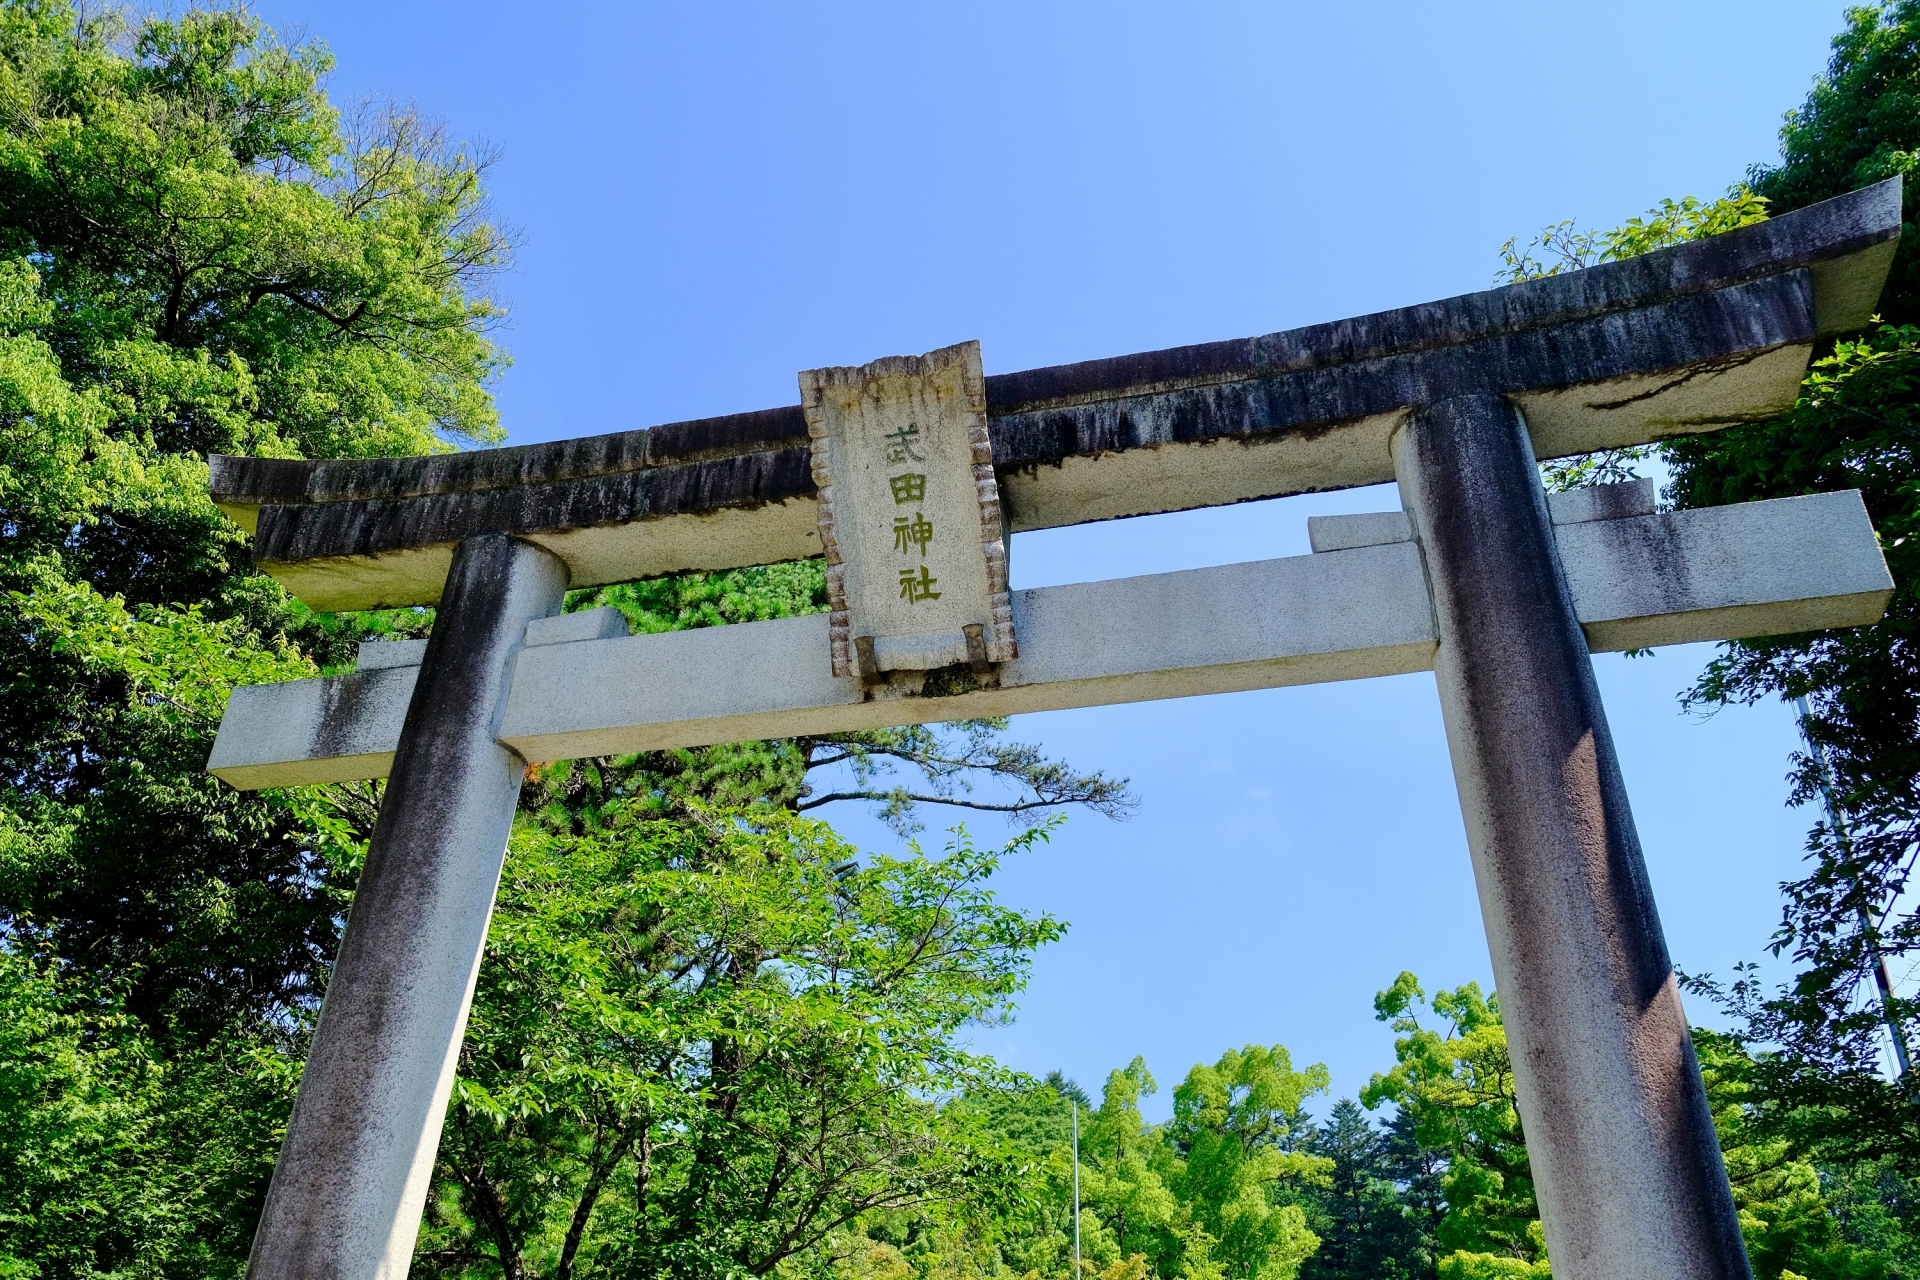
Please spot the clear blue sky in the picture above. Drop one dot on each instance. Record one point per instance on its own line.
(713, 197)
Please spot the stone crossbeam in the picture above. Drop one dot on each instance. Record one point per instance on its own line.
(1691, 338)
(1359, 608)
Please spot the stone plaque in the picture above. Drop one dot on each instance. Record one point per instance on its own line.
(909, 514)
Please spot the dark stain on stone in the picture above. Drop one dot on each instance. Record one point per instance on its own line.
(342, 700)
(420, 879)
(1677, 334)
(1568, 900)
(1684, 311)
(951, 682)
(1706, 368)
(295, 532)
(1848, 225)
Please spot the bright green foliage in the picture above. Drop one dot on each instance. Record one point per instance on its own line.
(1237, 1127)
(78, 1095)
(195, 256)
(1877, 1210)
(1853, 427)
(1462, 1265)
(709, 1038)
(702, 1048)
(1030, 1126)
(1119, 1180)
(1457, 1085)
(237, 270)
(1670, 222)
(1859, 125)
(113, 1159)
(1121, 1194)
(1224, 1190)
(1818, 1085)
(714, 599)
(1784, 1215)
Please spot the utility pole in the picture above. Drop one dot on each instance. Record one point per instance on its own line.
(1076, 1189)
(1881, 975)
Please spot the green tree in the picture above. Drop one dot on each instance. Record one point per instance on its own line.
(1852, 427)
(198, 256)
(1376, 1214)
(703, 1048)
(116, 1158)
(1564, 247)
(1239, 1128)
(1119, 1180)
(1031, 1124)
(195, 255)
(1457, 1087)
(1788, 1224)
(1859, 125)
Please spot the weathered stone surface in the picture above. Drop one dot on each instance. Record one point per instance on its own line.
(1683, 576)
(909, 512)
(1366, 529)
(1574, 506)
(1619, 1136)
(1670, 365)
(588, 624)
(375, 655)
(1602, 502)
(352, 1176)
(1291, 621)
(243, 485)
(1686, 339)
(1785, 565)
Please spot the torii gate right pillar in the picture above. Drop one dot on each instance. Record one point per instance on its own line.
(1619, 1135)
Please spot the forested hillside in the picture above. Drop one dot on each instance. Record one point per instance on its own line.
(710, 1037)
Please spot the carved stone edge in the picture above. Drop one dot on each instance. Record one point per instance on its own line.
(839, 625)
(1001, 646)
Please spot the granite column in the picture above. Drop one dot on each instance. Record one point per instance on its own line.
(1622, 1147)
(352, 1176)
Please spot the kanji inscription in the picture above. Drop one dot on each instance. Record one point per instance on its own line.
(909, 513)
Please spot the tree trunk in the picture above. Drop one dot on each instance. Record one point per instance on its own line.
(596, 1182)
(493, 1211)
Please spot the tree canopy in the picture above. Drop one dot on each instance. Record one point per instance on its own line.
(710, 1038)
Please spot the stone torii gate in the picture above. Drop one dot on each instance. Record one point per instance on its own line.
(910, 473)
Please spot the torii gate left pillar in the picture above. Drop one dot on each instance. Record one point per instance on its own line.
(1498, 589)
(353, 1173)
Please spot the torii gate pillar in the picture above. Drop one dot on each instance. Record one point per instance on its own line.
(1619, 1135)
(352, 1177)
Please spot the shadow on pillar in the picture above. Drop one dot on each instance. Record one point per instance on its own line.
(1621, 1141)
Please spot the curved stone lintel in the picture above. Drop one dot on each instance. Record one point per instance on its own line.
(1690, 338)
